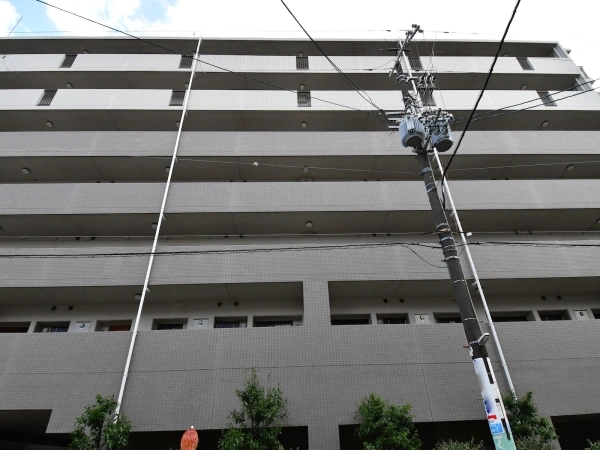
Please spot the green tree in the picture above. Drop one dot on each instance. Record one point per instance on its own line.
(257, 425)
(99, 428)
(455, 445)
(593, 445)
(531, 431)
(385, 426)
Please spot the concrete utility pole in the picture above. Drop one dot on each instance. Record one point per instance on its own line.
(418, 128)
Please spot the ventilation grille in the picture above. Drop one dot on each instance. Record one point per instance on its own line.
(427, 99)
(525, 64)
(186, 62)
(68, 61)
(546, 98)
(47, 98)
(273, 323)
(415, 62)
(177, 98)
(304, 98)
(302, 62)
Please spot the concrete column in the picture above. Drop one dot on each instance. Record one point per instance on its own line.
(316, 303)
(323, 435)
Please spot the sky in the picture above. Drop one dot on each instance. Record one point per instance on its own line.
(541, 20)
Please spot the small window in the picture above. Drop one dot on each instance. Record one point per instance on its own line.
(14, 327)
(186, 62)
(525, 64)
(114, 325)
(350, 321)
(68, 61)
(448, 319)
(230, 322)
(52, 327)
(303, 98)
(392, 320)
(546, 98)
(302, 62)
(415, 62)
(169, 326)
(47, 98)
(177, 98)
(596, 314)
(553, 315)
(511, 318)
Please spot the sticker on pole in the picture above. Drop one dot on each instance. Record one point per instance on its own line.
(496, 428)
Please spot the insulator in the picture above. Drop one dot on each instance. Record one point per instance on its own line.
(441, 138)
(412, 131)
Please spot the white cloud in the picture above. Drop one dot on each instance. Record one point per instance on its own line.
(8, 17)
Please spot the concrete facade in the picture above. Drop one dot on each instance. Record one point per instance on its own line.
(79, 201)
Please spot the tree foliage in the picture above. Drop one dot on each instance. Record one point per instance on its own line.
(99, 428)
(593, 445)
(531, 431)
(455, 445)
(257, 425)
(385, 426)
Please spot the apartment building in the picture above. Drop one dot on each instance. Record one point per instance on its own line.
(296, 236)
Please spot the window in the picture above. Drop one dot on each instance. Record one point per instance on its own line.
(114, 325)
(52, 327)
(303, 98)
(350, 321)
(596, 314)
(169, 326)
(553, 315)
(546, 98)
(525, 64)
(302, 62)
(511, 318)
(47, 98)
(415, 62)
(177, 98)
(14, 327)
(392, 320)
(273, 323)
(448, 319)
(67, 61)
(186, 62)
(230, 322)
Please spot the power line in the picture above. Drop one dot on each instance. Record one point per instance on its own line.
(200, 61)
(487, 80)
(348, 80)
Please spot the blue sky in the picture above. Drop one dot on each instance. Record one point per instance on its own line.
(545, 20)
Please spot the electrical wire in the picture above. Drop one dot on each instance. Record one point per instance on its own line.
(348, 80)
(204, 62)
(487, 80)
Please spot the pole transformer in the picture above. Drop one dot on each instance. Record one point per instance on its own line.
(423, 130)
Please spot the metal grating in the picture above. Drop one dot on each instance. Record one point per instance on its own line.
(304, 98)
(47, 98)
(525, 64)
(302, 62)
(546, 98)
(415, 62)
(67, 61)
(177, 98)
(273, 323)
(186, 62)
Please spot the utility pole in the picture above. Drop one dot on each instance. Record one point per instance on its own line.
(418, 128)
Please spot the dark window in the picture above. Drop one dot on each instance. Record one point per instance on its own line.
(273, 323)
(126, 327)
(415, 62)
(303, 98)
(509, 318)
(364, 321)
(302, 62)
(47, 98)
(14, 329)
(525, 64)
(552, 316)
(177, 98)
(392, 320)
(169, 326)
(596, 314)
(455, 319)
(68, 61)
(546, 98)
(230, 324)
(186, 62)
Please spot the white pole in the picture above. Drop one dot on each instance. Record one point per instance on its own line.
(463, 236)
(156, 234)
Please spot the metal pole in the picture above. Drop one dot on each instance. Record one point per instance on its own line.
(156, 234)
(446, 187)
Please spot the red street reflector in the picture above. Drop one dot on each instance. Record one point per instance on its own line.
(189, 441)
